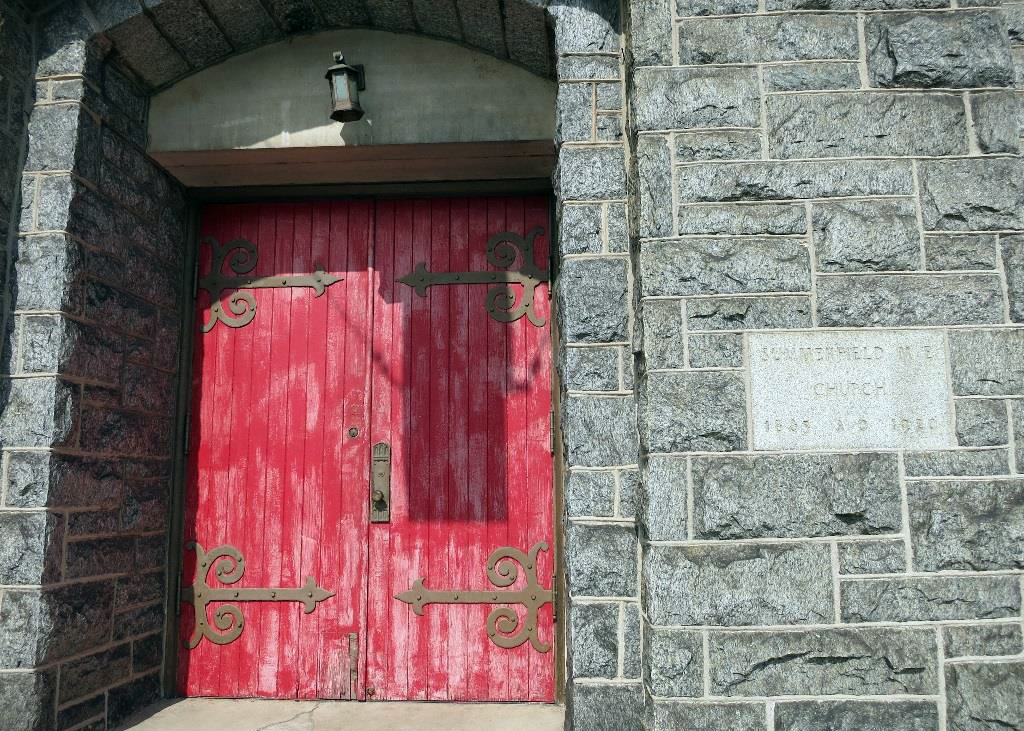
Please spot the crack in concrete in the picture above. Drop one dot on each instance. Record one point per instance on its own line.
(286, 725)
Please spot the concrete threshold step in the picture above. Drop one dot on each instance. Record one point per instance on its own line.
(223, 714)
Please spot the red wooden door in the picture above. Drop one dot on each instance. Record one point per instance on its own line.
(297, 597)
(464, 401)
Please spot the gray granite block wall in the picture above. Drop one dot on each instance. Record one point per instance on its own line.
(810, 167)
(726, 167)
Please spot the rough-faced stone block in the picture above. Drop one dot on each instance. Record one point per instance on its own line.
(745, 220)
(575, 107)
(47, 274)
(857, 715)
(853, 4)
(972, 194)
(958, 49)
(579, 229)
(40, 412)
(726, 584)
(88, 674)
(929, 599)
(697, 411)
(856, 236)
(1012, 253)
(591, 173)
(791, 496)
(43, 626)
(595, 304)
(749, 181)
(617, 224)
(982, 639)
(675, 662)
(591, 369)
(583, 26)
(248, 26)
(748, 313)
(527, 36)
(973, 526)
(908, 299)
(601, 560)
(716, 351)
(590, 494)
(863, 661)
(663, 508)
(588, 68)
(609, 96)
(960, 251)
(674, 715)
(984, 696)
(127, 699)
(30, 547)
(995, 121)
(811, 76)
(600, 431)
(629, 494)
(683, 98)
(717, 145)
(872, 557)
(650, 37)
(193, 32)
(662, 322)
(27, 700)
(981, 422)
(987, 362)
(957, 462)
(607, 707)
(654, 172)
(757, 39)
(723, 266)
(632, 648)
(850, 124)
(594, 637)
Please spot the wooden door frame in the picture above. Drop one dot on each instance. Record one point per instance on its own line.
(198, 197)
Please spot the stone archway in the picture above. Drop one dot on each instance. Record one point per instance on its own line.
(96, 275)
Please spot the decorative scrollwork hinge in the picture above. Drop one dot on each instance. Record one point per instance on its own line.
(504, 626)
(241, 304)
(503, 249)
(228, 618)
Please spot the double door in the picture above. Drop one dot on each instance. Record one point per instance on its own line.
(369, 499)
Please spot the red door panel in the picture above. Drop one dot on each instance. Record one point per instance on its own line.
(467, 415)
(285, 410)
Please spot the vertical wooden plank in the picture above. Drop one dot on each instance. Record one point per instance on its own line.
(387, 314)
(459, 650)
(519, 493)
(497, 435)
(477, 549)
(236, 656)
(538, 456)
(358, 335)
(417, 528)
(443, 535)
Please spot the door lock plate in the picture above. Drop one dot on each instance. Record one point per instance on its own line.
(380, 483)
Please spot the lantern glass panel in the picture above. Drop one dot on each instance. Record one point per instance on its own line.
(341, 89)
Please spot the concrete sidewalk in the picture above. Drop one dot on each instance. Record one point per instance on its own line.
(217, 714)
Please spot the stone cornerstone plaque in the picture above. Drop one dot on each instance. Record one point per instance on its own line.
(850, 390)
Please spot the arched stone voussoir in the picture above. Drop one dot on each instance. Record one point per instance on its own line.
(163, 41)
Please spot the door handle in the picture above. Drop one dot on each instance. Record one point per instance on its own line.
(380, 483)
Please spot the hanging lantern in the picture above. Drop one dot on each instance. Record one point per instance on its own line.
(346, 83)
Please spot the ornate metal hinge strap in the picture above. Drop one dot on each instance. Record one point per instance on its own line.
(502, 251)
(228, 618)
(503, 623)
(241, 304)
